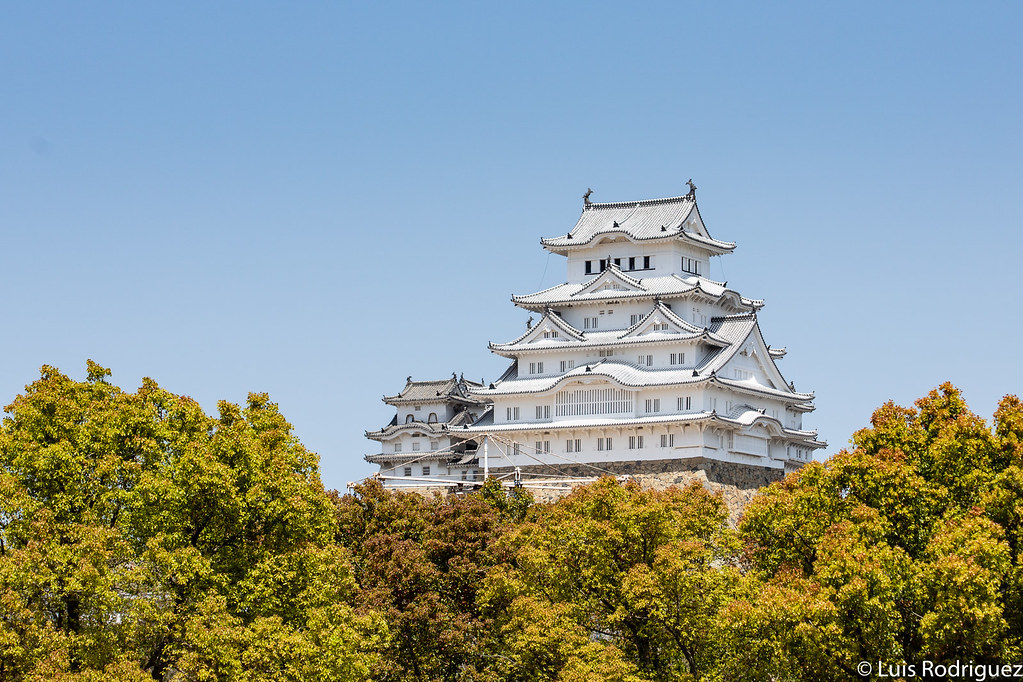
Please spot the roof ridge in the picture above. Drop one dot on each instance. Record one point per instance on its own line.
(641, 202)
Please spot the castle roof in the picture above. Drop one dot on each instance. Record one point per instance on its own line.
(667, 286)
(741, 416)
(637, 334)
(629, 375)
(672, 217)
(455, 388)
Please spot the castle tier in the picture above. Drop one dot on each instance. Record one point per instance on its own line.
(639, 356)
(423, 440)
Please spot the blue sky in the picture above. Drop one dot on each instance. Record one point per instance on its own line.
(315, 200)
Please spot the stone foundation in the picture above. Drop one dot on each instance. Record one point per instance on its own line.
(736, 483)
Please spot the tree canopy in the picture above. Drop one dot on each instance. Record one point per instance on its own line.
(141, 538)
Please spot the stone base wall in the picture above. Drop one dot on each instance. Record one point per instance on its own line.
(736, 483)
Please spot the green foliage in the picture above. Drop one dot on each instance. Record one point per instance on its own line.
(140, 536)
(903, 549)
(642, 573)
(143, 539)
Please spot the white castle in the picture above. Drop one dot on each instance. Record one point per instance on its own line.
(638, 362)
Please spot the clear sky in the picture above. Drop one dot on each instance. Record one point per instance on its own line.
(317, 199)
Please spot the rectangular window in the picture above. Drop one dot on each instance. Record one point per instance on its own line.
(536, 368)
(397, 447)
(632, 262)
(652, 405)
(685, 403)
(633, 319)
(464, 474)
(586, 323)
(603, 264)
(646, 262)
(742, 374)
(567, 365)
(516, 449)
(635, 442)
(543, 446)
(408, 471)
(606, 353)
(600, 444)
(618, 262)
(667, 440)
(543, 411)
(575, 445)
(603, 444)
(589, 267)
(539, 368)
(418, 407)
(415, 446)
(426, 470)
(647, 360)
(512, 414)
(678, 358)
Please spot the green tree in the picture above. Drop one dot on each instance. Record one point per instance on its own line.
(902, 549)
(642, 572)
(140, 536)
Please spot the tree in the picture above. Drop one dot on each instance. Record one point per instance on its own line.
(902, 549)
(642, 573)
(139, 536)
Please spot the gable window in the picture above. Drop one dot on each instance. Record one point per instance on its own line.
(550, 335)
(659, 327)
(742, 374)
